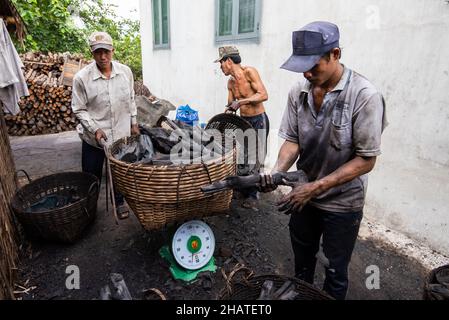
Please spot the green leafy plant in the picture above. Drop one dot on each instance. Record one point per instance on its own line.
(64, 25)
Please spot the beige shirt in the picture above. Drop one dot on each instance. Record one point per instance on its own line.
(106, 104)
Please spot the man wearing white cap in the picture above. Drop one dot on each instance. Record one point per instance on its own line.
(103, 101)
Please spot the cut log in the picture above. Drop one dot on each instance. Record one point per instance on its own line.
(49, 102)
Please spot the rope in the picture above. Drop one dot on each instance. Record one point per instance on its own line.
(156, 291)
(228, 278)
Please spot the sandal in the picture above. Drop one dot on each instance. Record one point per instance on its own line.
(122, 212)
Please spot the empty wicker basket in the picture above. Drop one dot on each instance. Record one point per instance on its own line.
(67, 223)
(163, 194)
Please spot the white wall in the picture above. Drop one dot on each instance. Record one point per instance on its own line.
(402, 46)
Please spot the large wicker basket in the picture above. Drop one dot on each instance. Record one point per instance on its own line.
(65, 224)
(250, 288)
(163, 194)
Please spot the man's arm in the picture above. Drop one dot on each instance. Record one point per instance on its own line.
(79, 106)
(231, 97)
(300, 195)
(347, 172)
(287, 156)
(257, 85)
(230, 94)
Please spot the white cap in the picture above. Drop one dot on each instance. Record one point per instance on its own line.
(99, 40)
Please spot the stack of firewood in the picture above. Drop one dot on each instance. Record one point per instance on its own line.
(48, 107)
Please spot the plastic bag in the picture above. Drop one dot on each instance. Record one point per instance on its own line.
(140, 151)
(187, 115)
(160, 138)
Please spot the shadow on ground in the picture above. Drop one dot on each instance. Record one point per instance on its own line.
(258, 240)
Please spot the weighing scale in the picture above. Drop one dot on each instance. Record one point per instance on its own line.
(193, 245)
(192, 251)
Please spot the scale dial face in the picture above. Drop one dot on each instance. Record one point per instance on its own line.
(193, 245)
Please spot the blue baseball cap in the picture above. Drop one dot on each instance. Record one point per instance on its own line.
(309, 45)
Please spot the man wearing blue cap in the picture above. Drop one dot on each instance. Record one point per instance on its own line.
(332, 127)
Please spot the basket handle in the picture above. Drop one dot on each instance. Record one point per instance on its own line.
(86, 212)
(207, 170)
(94, 184)
(26, 174)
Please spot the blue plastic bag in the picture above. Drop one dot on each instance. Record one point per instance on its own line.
(187, 115)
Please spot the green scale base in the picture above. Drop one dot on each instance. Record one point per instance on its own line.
(178, 272)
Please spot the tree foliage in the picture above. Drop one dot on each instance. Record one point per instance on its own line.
(64, 25)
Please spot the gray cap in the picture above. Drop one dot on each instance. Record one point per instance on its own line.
(99, 40)
(309, 45)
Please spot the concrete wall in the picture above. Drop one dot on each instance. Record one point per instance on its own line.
(402, 46)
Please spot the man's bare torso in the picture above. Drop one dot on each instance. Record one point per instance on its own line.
(241, 88)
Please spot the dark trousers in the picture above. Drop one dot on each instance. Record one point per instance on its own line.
(258, 122)
(339, 231)
(92, 160)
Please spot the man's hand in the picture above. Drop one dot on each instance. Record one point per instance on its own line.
(135, 130)
(233, 106)
(266, 183)
(298, 197)
(99, 134)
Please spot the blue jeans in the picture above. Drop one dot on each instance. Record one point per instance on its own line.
(258, 122)
(92, 159)
(339, 231)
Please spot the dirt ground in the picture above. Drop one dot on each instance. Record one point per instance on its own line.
(259, 240)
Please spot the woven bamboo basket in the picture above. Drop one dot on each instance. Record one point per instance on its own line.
(250, 288)
(9, 235)
(164, 194)
(65, 224)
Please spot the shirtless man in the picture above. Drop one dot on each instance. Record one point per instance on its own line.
(246, 93)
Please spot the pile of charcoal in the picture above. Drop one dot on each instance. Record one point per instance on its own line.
(170, 142)
(53, 201)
